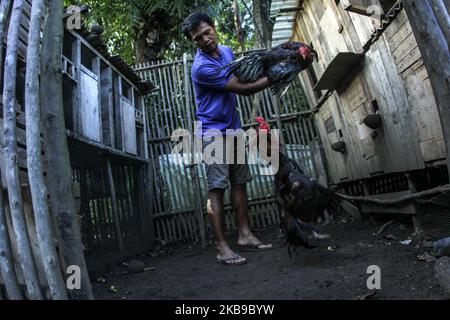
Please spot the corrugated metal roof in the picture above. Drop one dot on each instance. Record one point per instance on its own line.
(284, 12)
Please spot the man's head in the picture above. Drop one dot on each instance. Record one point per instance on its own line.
(199, 28)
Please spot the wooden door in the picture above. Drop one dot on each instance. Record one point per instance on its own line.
(129, 126)
(90, 108)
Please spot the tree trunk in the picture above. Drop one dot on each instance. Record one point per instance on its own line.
(238, 24)
(5, 6)
(60, 180)
(12, 170)
(44, 227)
(152, 38)
(262, 26)
(435, 52)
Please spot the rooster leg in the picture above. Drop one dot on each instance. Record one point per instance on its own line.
(281, 214)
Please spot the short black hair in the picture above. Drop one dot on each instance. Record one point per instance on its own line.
(193, 21)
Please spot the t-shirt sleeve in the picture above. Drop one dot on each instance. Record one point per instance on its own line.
(211, 76)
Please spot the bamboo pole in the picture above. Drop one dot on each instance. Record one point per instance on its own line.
(44, 227)
(149, 178)
(193, 168)
(114, 206)
(12, 170)
(442, 189)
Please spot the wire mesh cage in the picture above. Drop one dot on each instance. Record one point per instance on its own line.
(101, 232)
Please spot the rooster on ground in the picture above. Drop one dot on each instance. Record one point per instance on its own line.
(302, 200)
(281, 64)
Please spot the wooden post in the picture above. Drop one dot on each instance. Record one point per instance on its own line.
(11, 157)
(44, 223)
(60, 185)
(442, 11)
(413, 187)
(6, 259)
(431, 40)
(149, 184)
(114, 206)
(276, 106)
(198, 205)
(76, 55)
(5, 6)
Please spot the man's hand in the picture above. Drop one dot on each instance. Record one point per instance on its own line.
(247, 89)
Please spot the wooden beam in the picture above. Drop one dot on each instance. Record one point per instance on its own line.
(114, 206)
(436, 55)
(357, 6)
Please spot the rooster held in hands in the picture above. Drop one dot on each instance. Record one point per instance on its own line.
(302, 200)
(281, 65)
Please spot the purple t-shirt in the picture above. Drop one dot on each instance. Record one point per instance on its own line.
(216, 108)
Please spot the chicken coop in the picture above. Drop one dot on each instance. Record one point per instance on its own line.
(373, 102)
(105, 118)
(105, 115)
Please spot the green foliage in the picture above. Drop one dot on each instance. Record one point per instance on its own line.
(122, 19)
(115, 17)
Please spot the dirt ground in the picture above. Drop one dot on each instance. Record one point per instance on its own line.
(336, 269)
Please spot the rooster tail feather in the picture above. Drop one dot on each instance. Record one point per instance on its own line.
(247, 69)
(281, 84)
(232, 66)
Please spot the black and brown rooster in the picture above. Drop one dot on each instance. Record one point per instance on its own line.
(302, 200)
(281, 64)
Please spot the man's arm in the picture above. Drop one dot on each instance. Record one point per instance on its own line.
(246, 89)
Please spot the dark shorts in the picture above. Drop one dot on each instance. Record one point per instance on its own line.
(221, 174)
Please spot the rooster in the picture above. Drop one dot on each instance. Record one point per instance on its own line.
(281, 65)
(302, 200)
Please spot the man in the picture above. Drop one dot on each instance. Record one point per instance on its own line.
(216, 110)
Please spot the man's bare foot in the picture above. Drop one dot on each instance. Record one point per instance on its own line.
(228, 257)
(231, 260)
(250, 242)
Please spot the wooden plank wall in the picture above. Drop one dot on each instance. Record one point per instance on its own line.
(411, 69)
(392, 73)
(24, 27)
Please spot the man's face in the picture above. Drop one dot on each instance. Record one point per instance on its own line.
(205, 37)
